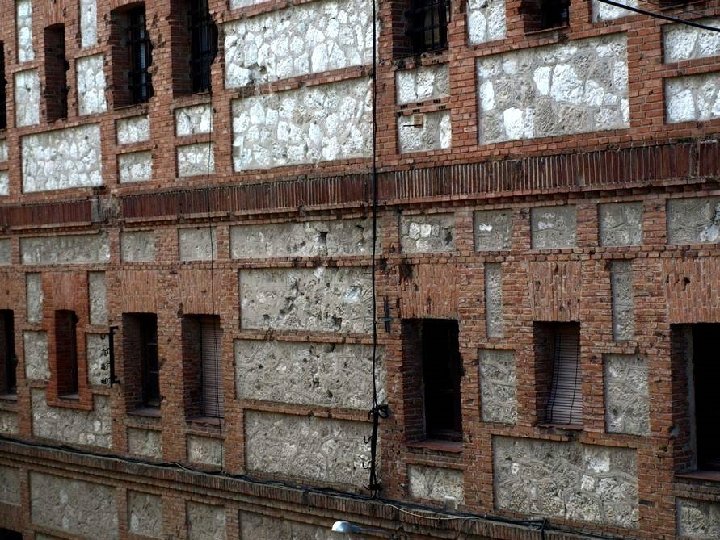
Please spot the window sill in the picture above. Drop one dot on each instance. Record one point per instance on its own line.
(9, 397)
(152, 412)
(205, 421)
(452, 447)
(543, 31)
(69, 397)
(706, 475)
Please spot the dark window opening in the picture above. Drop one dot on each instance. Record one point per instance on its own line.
(3, 88)
(140, 56)
(203, 49)
(8, 383)
(8, 534)
(706, 373)
(140, 352)
(202, 340)
(546, 14)
(56, 68)
(558, 374)
(66, 352)
(427, 22)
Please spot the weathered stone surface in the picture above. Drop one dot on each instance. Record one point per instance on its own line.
(257, 527)
(623, 303)
(424, 131)
(553, 227)
(9, 485)
(205, 522)
(566, 480)
(137, 246)
(492, 230)
(196, 159)
(606, 12)
(692, 98)
(319, 449)
(560, 89)
(65, 249)
(485, 20)
(197, 244)
(132, 130)
(320, 299)
(498, 386)
(299, 40)
(307, 125)
(682, 42)
(27, 98)
(698, 519)
(422, 84)
(144, 514)
(98, 358)
(5, 252)
(307, 239)
(434, 233)
(205, 450)
(90, 428)
(693, 221)
(9, 423)
(627, 405)
(88, 23)
(97, 292)
(493, 300)
(3, 150)
(73, 506)
(34, 297)
(325, 374)
(62, 159)
(144, 442)
(91, 85)
(35, 345)
(135, 167)
(23, 26)
(436, 484)
(621, 224)
(193, 120)
(4, 183)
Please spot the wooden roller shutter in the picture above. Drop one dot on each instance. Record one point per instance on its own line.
(210, 347)
(565, 401)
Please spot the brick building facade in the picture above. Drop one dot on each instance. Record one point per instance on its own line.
(186, 329)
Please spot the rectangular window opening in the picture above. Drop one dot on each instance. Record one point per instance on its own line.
(142, 367)
(545, 14)
(56, 67)
(203, 49)
(131, 55)
(3, 88)
(66, 353)
(427, 22)
(202, 341)
(706, 373)
(8, 384)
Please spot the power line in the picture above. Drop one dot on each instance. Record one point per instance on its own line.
(662, 16)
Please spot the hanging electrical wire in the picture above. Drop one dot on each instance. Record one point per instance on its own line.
(662, 16)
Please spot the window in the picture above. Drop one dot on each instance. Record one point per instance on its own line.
(56, 67)
(201, 340)
(8, 360)
(66, 353)
(132, 56)
(8, 534)
(705, 374)
(140, 353)
(558, 375)
(545, 14)
(432, 388)
(203, 37)
(427, 22)
(3, 88)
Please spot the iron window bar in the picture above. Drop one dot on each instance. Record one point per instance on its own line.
(427, 25)
(203, 32)
(140, 48)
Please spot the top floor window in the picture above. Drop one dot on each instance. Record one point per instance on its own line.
(203, 47)
(427, 22)
(140, 54)
(546, 14)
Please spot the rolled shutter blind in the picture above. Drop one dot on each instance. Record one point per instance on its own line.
(565, 401)
(210, 342)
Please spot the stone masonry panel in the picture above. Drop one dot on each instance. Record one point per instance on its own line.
(436, 484)
(197, 244)
(422, 84)
(682, 42)
(693, 221)
(424, 131)
(498, 386)
(87, 428)
(24, 25)
(196, 159)
(620, 224)
(623, 300)
(9, 485)
(492, 230)
(433, 233)
(132, 130)
(135, 167)
(8, 423)
(205, 522)
(205, 450)
(35, 345)
(88, 23)
(65, 249)
(144, 514)
(193, 120)
(606, 12)
(27, 98)
(98, 359)
(494, 320)
(698, 519)
(91, 85)
(144, 442)
(256, 526)
(692, 98)
(627, 403)
(137, 246)
(485, 20)
(553, 227)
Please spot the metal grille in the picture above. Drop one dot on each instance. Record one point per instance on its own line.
(210, 343)
(9, 359)
(149, 360)
(3, 91)
(427, 25)
(554, 13)
(203, 34)
(565, 401)
(140, 49)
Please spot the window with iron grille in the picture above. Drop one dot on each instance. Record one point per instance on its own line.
(8, 360)
(140, 56)
(203, 38)
(704, 396)
(545, 14)
(140, 354)
(202, 367)
(56, 68)
(3, 88)
(66, 352)
(427, 22)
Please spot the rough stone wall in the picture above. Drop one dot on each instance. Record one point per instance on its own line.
(606, 12)
(137, 246)
(27, 97)
(195, 159)
(433, 233)
(304, 239)
(8, 423)
(323, 374)
(3, 150)
(34, 297)
(65, 249)
(320, 299)
(302, 39)
(193, 120)
(144, 442)
(89, 428)
(9, 485)
(623, 300)
(498, 386)
(682, 42)
(698, 519)
(4, 183)
(692, 98)
(555, 90)
(133, 130)
(197, 244)
(144, 514)
(567, 480)
(97, 293)
(73, 506)
(693, 221)
(205, 522)
(308, 447)
(5, 252)
(135, 167)
(423, 83)
(436, 484)
(35, 345)
(627, 401)
(424, 131)
(493, 300)
(23, 25)
(205, 450)
(256, 527)
(485, 20)
(88, 23)
(492, 230)
(307, 125)
(91, 85)
(621, 224)
(553, 227)
(98, 359)
(62, 159)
